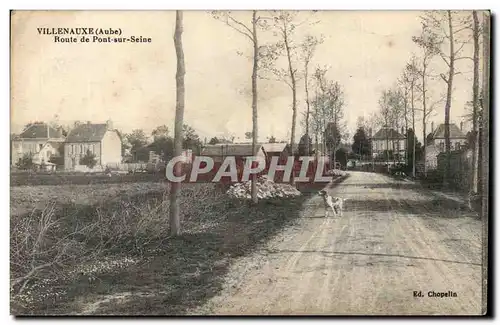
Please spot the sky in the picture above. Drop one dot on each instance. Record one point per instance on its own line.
(134, 84)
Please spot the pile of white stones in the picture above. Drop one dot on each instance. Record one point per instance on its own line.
(266, 189)
(336, 172)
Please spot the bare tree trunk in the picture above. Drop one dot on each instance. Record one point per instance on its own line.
(406, 128)
(414, 140)
(179, 120)
(475, 104)
(447, 106)
(294, 93)
(387, 149)
(306, 85)
(316, 130)
(485, 139)
(334, 153)
(424, 117)
(254, 100)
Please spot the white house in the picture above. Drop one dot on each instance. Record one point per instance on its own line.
(388, 139)
(100, 139)
(436, 145)
(40, 141)
(458, 139)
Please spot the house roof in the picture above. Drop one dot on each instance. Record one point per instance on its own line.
(387, 133)
(321, 145)
(455, 132)
(87, 133)
(274, 147)
(232, 149)
(40, 130)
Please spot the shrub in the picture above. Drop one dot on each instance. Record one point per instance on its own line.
(26, 162)
(88, 160)
(60, 244)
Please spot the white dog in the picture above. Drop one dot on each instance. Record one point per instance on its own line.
(334, 203)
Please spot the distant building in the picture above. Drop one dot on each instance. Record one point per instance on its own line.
(436, 145)
(100, 139)
(458, 139)
(218, 152)
(39, 140)
(388, 139)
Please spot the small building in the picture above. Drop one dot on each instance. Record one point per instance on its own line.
(388, 139)
(458, 139)
(39, 140)
(436, 145)
(218, 152)
(280, 150)
(100, 140)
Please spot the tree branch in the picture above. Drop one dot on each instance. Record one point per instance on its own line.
(464, 58)
(241, 24)
(444, 58)
(456, 31)
(239, 31)
(460, 48)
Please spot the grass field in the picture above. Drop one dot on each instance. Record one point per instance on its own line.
(73, 247)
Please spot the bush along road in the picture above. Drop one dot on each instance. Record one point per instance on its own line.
(397, 250)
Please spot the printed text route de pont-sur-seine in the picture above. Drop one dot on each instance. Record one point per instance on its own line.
(94, 35)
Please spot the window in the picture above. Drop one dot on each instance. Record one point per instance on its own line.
(49, 154)
(40, 146)
(441, 147)
(81, 149)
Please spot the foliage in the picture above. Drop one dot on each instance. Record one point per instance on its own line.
(163, 146)
(160, 132)
(361, 144)
(341, 157)
(26, 162)
(332, 137)
(327, 114)
(419, 152)
(303, 146)
(138, 140)
(57, 160)
(88, 160)
(191, 140)
(272, 139)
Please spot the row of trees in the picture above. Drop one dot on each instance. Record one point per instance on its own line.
(139, 145)
(285, 59)
(443, 39)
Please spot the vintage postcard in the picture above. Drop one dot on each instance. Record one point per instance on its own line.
(249, 162)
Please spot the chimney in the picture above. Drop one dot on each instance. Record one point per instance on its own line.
(432, 127)
(109, 124)
(461, 125)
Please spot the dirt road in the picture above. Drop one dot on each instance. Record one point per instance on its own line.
(393, 240)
